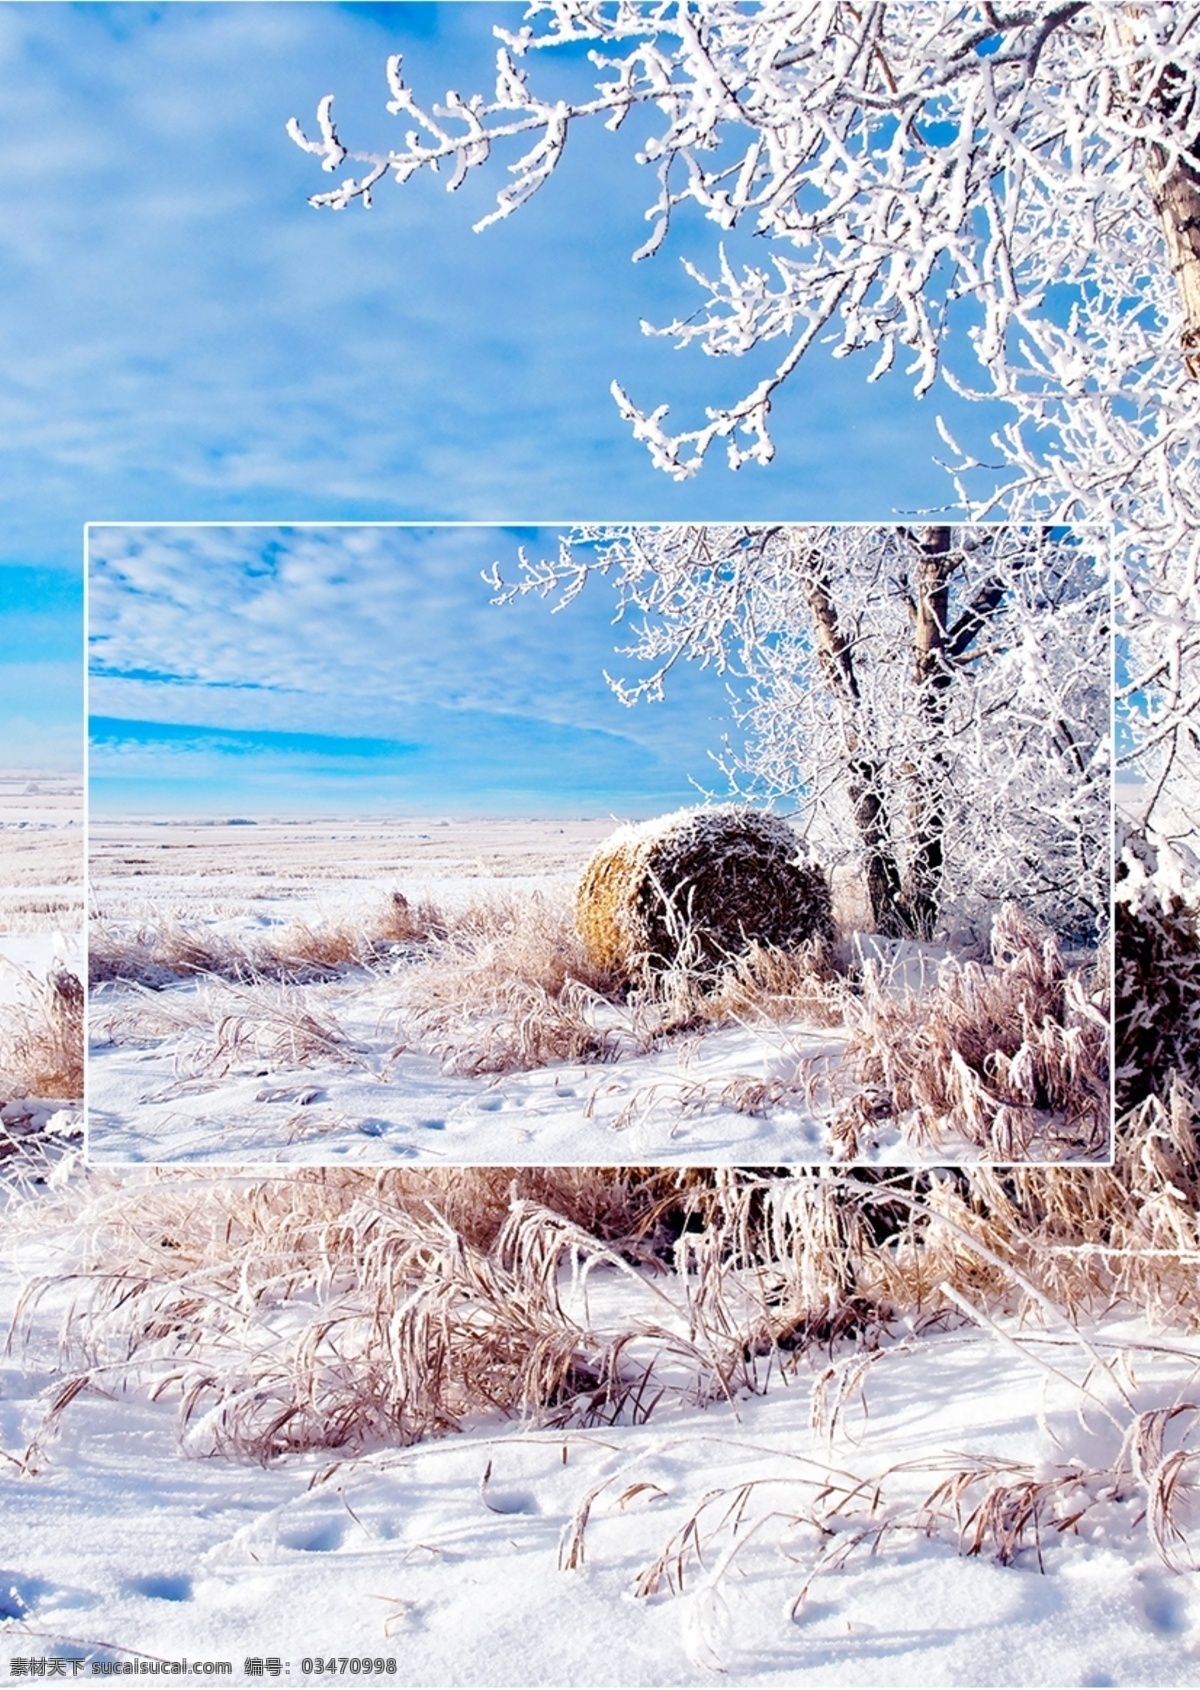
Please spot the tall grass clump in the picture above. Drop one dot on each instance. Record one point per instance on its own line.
(990, 1054)
(509, 987)
(860, 1265)
(764, 983)
(330, 1310)
(41, 1038)
(226, 1028)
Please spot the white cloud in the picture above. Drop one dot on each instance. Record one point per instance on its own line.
(184, 336)
(345, 631)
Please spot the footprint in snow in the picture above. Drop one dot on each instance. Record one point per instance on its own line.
(162, 1588)
(20, 1595)
(1164, 1603)
(506, 1499)
(313, 1537)
(510, 1501)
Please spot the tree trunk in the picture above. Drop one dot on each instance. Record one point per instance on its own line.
(920, 899)
(1174, 182)
(865, 775)
(1175, 190)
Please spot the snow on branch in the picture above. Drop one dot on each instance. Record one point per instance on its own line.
(934, 701)
(1004, 201)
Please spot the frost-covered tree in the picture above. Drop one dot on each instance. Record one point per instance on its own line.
(934, 701)
(1157, 975)
(1004, 199)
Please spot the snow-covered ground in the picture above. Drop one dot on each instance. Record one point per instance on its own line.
(383, 1109)
(41, 877)
(750, 1092)
(508, 1555)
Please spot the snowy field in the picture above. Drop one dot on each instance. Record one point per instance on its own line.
(187, 1066)
(41, 854)
(41, 929)
(783, 1536)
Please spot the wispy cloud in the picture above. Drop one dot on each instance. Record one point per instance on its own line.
(371, 655)
(184, 336)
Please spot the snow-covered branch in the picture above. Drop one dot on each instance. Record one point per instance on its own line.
(933, 701)
(1005, 201)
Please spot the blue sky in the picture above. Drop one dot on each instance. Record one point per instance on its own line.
(184, 339)
(363, 669)
(40, 667)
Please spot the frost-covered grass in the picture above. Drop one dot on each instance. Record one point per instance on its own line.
(41, 995)
(41, 1038)
(469, 1006)
(167, 947)
(444, 1558)
(767, 1407)
(420, 1298)
(510, 987)
(1013, 1057)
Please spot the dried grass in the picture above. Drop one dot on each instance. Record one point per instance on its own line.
(1029, 1256)
(500, 986)
(331, 1308)
(41, 1038)
(226, 1028)
(339, 1307)
(764, 984)
(326, 1310)
(1014, 1059)
(999, 1507)
(22, 913)
(511, 987)
(160, 953)
(1011, 1058)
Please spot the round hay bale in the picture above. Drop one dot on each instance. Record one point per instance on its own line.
(696, 889)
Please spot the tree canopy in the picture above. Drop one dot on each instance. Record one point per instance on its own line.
(934, 700)
(1003, 200)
